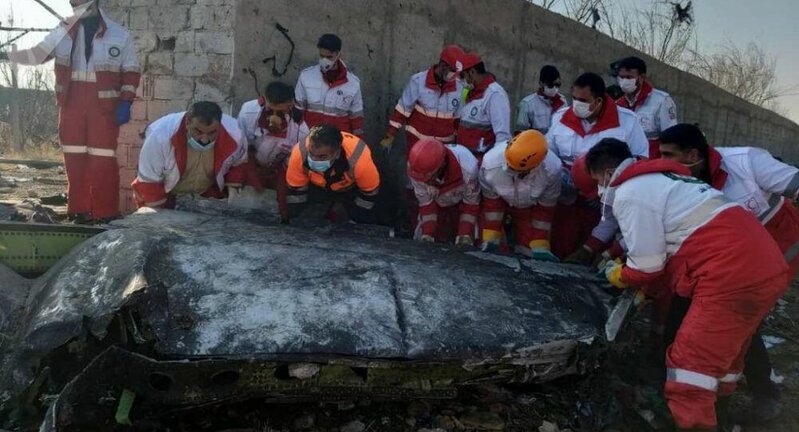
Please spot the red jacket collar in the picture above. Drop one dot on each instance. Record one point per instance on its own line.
(649, 166)
(477, 92)
(431, 82)
(453, 176)
(225, 146)
(336, 77)
(717, 175)
(608, 120)
(640, 98)
(556, 101)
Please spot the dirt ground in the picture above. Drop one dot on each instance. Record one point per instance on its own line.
(624, 394)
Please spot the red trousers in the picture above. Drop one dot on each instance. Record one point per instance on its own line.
(446, 226)
(571, 227)
(784, 227)
(88, 136)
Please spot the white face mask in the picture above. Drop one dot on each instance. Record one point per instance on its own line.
(326, 64)
(628, 85)
(581, 109)
(551, 91)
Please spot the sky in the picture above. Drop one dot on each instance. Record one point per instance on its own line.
(771, 23)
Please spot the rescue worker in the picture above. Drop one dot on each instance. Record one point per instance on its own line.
(444, 179)
(655, 108)
(272, 126)
(201, 151)
(536, 110)
(485, 115)
(328, 93)
(521, 178)
(592, 117)
(429, 103)
(333, 167)
(97, 74)
(761, 184)
(707, 247)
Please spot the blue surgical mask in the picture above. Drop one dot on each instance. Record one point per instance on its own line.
(196, 145)
(319, 166)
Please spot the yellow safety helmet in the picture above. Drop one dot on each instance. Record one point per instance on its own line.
(526, 151)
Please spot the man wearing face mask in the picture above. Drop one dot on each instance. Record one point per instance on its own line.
(485, 116)
(706, 247)
(272, 126)
(201, 151)
(97, 74)
(536, 110)
(521, 178)
(655, 108)
(429, 102)
(444, 179)
(592, 117)
(328, 93)
(333, 166)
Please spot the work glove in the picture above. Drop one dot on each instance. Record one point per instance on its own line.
(581, 256)
(543, 254)
(387, 142)
(613, 274)
(464, 240)
(123, 112)
(490, 246)
(427, 238)
(602, 260)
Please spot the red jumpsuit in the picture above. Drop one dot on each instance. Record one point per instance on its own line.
(89, 89)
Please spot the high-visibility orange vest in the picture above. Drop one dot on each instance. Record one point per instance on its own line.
(359, 169)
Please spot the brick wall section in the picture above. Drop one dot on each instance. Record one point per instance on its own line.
(185, 49)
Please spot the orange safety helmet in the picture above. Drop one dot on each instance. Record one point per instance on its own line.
(526, 150)
(583, 181)
(425, 159)
(451, 55)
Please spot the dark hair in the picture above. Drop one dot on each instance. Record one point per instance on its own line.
(326, 135)
(329, 42)
(278, 92)
(592, 81)
(686, 136)
(607, 153)
(206, 111)
(479, 67)
(633, 63)
(548, 74)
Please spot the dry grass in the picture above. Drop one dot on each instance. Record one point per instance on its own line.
(46, 152)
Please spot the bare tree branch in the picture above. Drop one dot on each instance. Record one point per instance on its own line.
(25, 29)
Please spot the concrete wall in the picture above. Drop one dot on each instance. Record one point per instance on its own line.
(385, 41)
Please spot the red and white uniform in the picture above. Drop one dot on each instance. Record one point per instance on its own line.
(426, 109)
(530, 199)
(452, 200)
(707, 248)
(571, 137)
(331, 98)
(485, 117)
(536, 111)
(163, 159)
(87, 93)
(753, 178)
(656, 112)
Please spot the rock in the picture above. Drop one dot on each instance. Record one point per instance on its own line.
(498, 408)
(346, 405)
(482, 420)
(33, 194)
(548, 427)
(353, 426)
(417, 408)
(431, 430)
(444, 422)
(303, 370)
(526, 400)
(303, 422)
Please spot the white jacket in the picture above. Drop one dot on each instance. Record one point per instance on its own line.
(269, 149)
(535, 112)
(340, 105)
(657, 113)
(657, 212)
(485, 120)
(569, 145)
(468, 192)
(540, 187)
(157, 162)
(757, 181)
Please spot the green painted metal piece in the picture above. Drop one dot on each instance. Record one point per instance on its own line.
(29, 248)
(122, 415)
